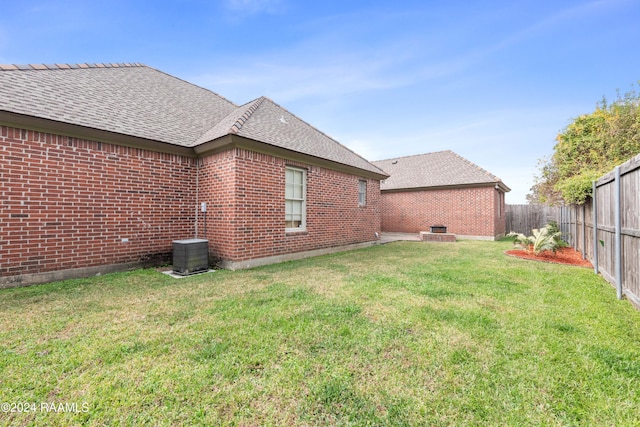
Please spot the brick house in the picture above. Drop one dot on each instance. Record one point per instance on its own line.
(442, 188)
(105, 165)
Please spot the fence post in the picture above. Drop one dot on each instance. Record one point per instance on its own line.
(573, 216)
(567, 218)
(595, 227)
(584, 231)
(562, 224)
(618, 242)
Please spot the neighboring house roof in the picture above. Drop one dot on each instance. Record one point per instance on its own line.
(439, 169)
(142, 102)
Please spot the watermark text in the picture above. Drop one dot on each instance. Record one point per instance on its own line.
(46, 407)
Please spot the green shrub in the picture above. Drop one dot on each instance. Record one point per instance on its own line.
(553, 228)
(543, 239)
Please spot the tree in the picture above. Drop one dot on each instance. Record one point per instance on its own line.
(543, 191)
(590, 146)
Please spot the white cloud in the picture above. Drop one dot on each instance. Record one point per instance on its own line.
(303, 72)
(313, 69)
(337, 56)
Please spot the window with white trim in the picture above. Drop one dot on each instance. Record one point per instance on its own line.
(362, 193)
(295, 199)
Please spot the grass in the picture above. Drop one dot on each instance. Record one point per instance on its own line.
(400, 334)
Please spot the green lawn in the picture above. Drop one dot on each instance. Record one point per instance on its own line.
(400, 334)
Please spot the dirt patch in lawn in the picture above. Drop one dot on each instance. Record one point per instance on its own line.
(562, 256)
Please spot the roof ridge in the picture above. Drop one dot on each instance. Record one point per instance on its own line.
(31, 67)
(45, 67)
(414, 155)
(322, 133)
(235, 128)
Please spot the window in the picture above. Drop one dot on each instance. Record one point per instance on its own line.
(295, 199)
(362, 193)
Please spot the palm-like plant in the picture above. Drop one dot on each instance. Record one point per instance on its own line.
(542, 240)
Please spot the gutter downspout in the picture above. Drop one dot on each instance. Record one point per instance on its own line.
(197, 195)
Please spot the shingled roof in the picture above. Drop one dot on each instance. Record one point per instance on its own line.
(142, 102)
(439, 169)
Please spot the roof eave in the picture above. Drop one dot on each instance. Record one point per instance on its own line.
(498, 185)
(226, 142)
(503, 186)
(236, 141)
(8, 118)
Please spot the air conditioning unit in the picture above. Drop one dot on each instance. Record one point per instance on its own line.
(190, 256)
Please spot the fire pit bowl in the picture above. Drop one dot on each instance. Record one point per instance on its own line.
(438, 228)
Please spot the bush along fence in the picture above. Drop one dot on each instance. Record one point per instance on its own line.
(605, 229)
(524, 218)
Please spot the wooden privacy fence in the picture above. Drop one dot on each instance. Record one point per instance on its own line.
(613, 244)
(524, 218)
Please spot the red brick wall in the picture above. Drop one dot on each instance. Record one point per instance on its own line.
(246, 193)
(465, 211)
(216, 187)
(68, 203)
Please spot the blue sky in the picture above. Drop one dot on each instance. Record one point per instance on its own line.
(494, 81)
